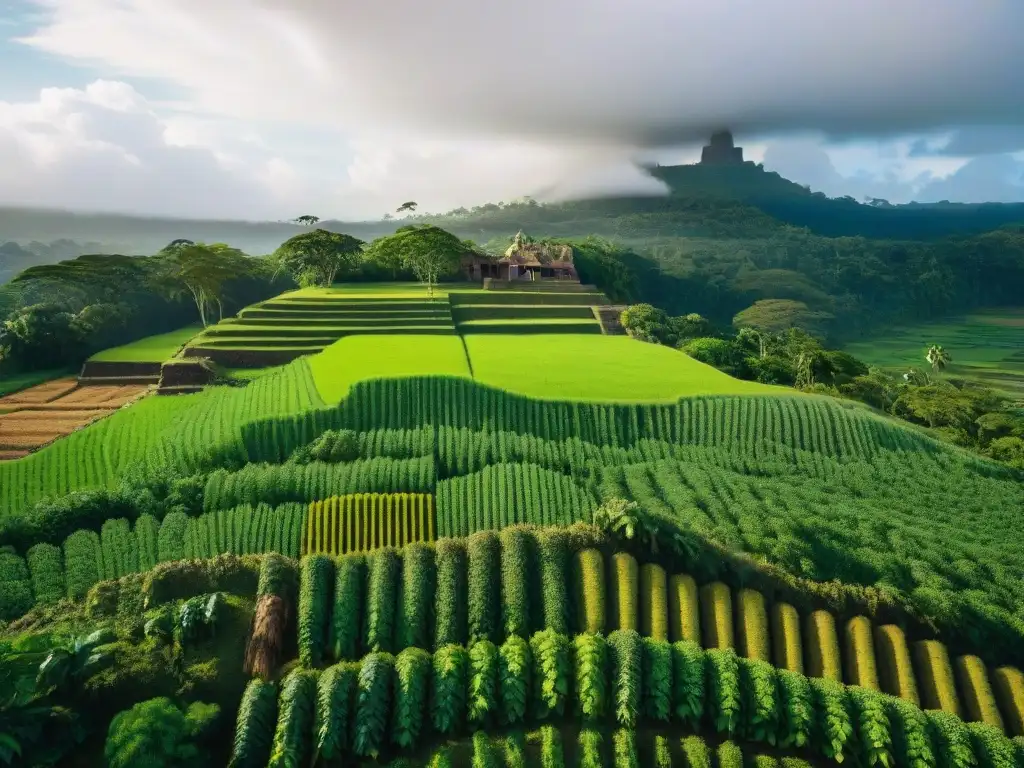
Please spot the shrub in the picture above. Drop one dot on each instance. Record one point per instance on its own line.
(82, 563)
(786, 639)
(314, 606)
(624, 585)
(979, 702)
(688, 674)
(333, 709)
(823, 659)
(551, 672)
(952, 740)
(158, 733)
(912, 745)
(554, 571)
(1008, 686)
(860, 654)
(729, 755)
(626, 652)
(624, 742)
(483, 753)
(484, 580)
(591, 662)
(590, 591)
(796, 710)
(752, 617)
(653, 602)
(170, 542)
(448, 688)
(417, 596)
(451, 591)
(254, 732)
(346, 615)
(724, 689)
(515, 750)
(373, 703)
(760, 700)
(590, 749)
(296, 720)
(482, 701)
(872, 726)
(935, 677)
(44, 563)
(697, 752)
(716, 616)
(516, 568)
(683, 609)
(514, 665)
(895, 671)
(657, 679)
(834, 725)
(551, 752)
(381, 600)
(147, 532)
(412, 676)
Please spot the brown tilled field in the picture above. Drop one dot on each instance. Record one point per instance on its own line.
(38, 416)
(39, 394)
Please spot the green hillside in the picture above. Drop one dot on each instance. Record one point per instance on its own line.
(530, 546)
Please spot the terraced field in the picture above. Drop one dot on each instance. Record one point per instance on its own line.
(987, 347)
(526, 312)
(300, 324)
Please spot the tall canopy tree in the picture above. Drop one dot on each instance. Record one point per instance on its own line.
(319, 256)
(778, 315)
(307, 220)
(428, 251)
(201, 271)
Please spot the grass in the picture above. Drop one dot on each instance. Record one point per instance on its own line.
(378, 291)
(986, 347)
(152, 349)
(18, 381)
(355, 358)
(599, 368)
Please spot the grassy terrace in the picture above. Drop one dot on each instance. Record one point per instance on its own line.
(987, 347)
(152, 349)
(554, 366)
(597, 368)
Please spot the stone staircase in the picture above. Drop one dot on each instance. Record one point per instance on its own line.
(608, 315)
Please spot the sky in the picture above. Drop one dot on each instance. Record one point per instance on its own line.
(269, 109)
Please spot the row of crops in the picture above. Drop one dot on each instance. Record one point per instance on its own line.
(158, 432)
(387, 703)
(50, 573)
(279, 483)
(509, 494)
(492, 587)
(367, 521)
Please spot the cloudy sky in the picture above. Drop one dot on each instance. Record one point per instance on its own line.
(267, 109)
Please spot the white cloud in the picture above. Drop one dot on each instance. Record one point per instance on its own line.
(347, 109)
(643, 72)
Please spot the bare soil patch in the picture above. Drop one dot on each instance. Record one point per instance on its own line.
(39, 394)
(37, 422)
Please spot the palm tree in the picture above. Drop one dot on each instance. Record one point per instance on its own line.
(937, 357)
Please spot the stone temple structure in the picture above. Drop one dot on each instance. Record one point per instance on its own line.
(721, 151)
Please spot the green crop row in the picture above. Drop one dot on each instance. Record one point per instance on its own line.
(390, 703)
(50, 573)
(279, 483)
(509, 494)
